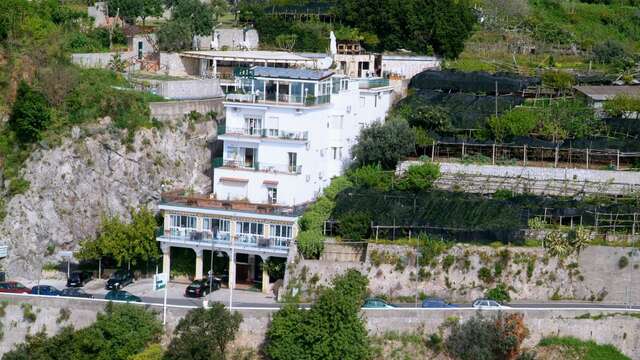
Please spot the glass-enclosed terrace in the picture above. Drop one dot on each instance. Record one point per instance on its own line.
(286, 86)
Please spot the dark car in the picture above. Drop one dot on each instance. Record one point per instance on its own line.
(78, 278)
(75, 292)
(437, 303)
(14, 287)
(121, 295)
(119, 279)
(199, 288)
(47, 290)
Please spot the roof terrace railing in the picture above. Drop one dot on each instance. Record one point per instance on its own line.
(265, 133)
(373, 83)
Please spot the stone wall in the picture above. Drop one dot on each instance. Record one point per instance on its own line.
(97, 60)
(176, 110)
(537, 180)
(532, 275)
(615, 328)
(190, 89)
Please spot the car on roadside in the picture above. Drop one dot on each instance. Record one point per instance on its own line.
(121, 295)
(200, 288)
(75, 292)
(435, 303)
(14, 287)
(78, 278)
(375, 303)
(119, 279)
(46, 290)
(488, 304)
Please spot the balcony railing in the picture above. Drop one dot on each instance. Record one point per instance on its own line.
(223, 238)
(265, 133)
(373, 83)
(257, 166)
(283, 99)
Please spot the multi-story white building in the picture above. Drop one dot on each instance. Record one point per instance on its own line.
(287, 133)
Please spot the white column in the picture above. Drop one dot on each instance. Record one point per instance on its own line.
(166, 259)
(232, 270)
(265, 276)
(198, 264)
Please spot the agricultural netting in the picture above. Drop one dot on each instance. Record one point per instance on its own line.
(467, 111)
(464, 217)
(473, 82)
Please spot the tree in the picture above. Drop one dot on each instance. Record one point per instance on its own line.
(354, 225)
(126, 243)
(428, 117)
(331, 329)
(203, 334)
(197, 14)
(130, 10)
(286, 42)
(174, 36)
(623, 106)
(384, 144)
(30, 114)
(119, 333)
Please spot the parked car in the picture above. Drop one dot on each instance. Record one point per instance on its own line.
(119, 279)
(78, 278)
(45, 290)
(122, 295)
(374, 303)
(488, 304)
(437, 303)
(75, 292)
(14, 287)
(199, 288)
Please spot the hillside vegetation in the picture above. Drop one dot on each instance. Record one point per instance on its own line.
(526, 35)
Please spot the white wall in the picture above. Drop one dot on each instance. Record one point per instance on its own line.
(408, 66)
(334, 125)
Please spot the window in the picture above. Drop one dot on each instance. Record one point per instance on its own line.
(362, 101)
(293, 162)
(209, 224)
(183, 221)
(249, 228)
(375, 101)
(272, 195)
(283, 231)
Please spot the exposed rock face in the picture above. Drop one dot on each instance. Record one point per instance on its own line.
(92, 173)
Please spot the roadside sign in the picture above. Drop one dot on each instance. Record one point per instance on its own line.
(159, 281)
(244, 72)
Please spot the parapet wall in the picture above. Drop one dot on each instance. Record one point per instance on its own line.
(175, 110)
(614, 328)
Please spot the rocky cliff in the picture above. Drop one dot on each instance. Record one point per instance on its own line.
(93, 173)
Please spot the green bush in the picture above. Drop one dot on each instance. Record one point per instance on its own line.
(588, 350)
(623, 262)
(18, 186)
(430, 249)
(27, 313)
(428, 117)
(419, 177)
(30, 114)
(384, 145)
(354, 225)
(310, 244)
(371, 177)
(447, 262)
(485, 275)
(499, 293)
(516, 122)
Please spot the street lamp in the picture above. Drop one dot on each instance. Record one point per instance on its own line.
(214, 234)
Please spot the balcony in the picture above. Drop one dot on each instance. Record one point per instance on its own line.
(257, 166)
(281, 99)
(264, 133)
(223, 240)
(373, 83)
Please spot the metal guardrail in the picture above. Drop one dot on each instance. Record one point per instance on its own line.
(257, 166)
(283, 99)
(265, 133)
(373, 83)
(250, 240)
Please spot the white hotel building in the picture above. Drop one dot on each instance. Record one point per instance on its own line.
(287, 133)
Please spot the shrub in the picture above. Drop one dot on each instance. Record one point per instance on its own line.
(174, 36)
(204, 331)
(371, 177)
(354, 225)
(589, 350)
(516, 122)
(484, 274)
(435, 118)
(447, 262)
(430, 248)
(30, 114)
(63, 315)
(623, 262)
(27, 313)
(499, 293)
(487, 338)
(152, 352)
(310, 244)
(419, 177)
(18, 186)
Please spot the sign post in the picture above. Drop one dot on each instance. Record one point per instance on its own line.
(161, 281)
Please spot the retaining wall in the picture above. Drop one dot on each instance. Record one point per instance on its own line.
(97, 60)
(174, 110)
(617, 329)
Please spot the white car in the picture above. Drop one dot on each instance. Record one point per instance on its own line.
(488, 304)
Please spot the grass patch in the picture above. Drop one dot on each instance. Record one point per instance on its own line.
(584, 350)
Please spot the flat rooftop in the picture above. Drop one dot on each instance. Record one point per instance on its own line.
(607, 92)
(291, 73)
(179, 198)
(240, 55)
